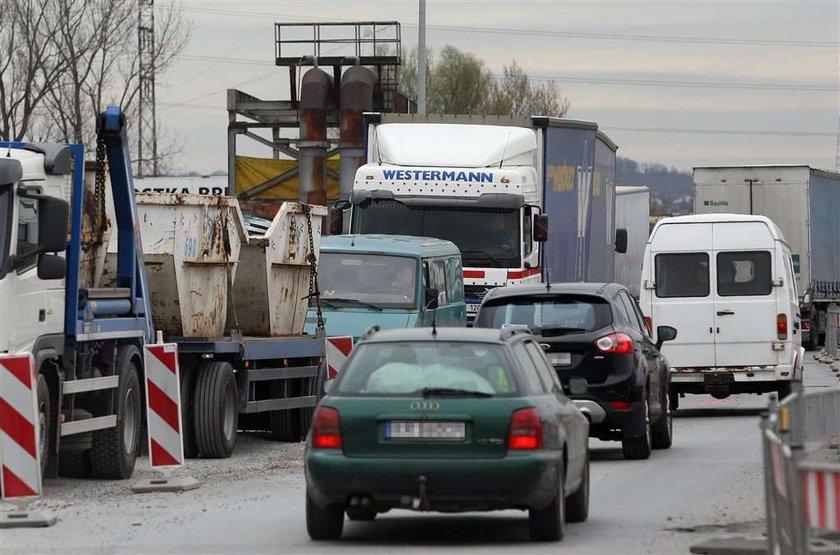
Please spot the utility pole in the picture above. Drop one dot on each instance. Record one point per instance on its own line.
(147, 159)
(421, 60)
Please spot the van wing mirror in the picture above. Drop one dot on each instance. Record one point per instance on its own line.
(621, 240)
(336, 221)
(431, 300)
(663, 334)
(540, 231)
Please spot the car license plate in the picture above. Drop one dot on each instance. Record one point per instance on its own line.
(472, 308)
(425, 430)
(560, 359)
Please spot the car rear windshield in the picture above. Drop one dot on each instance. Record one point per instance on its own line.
(407, 368)
(682, 275)
(581, 313)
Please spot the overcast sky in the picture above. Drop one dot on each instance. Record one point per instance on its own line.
(677, 82)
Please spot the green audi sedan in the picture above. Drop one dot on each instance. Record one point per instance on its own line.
(449, 420)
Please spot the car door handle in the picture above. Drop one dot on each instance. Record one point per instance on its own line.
(725, 313)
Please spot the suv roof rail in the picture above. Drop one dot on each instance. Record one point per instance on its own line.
(514, 329)
(369, 332)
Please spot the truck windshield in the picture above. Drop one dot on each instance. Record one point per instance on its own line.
(5, 222)
(486, 237)
(367, 280)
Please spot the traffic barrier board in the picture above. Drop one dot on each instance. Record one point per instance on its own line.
(163, 406)
(821, 493)
(337, 351)
(20, 457)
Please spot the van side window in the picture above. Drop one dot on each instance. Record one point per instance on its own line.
(438, 275)
(527, 236)
(794, 291)
(682, 275)
(741, 274)
(455, 279)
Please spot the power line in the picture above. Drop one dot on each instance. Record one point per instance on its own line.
(547, 33)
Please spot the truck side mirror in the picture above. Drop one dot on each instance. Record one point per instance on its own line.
(52, 224)
(336, 221)
(431, 299)
(51, 266)
(621, 240)
(540, 228)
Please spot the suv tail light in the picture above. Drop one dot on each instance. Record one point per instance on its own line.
(615, 343)
(525, 430)
(326, 429)
(781, 326)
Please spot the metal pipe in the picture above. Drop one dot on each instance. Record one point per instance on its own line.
(357, 86)
(421, 60)
(315, 93)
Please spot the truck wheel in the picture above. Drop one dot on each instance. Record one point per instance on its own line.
(74, 454)
(114, 451)
(783, 388)
(44, 423)
(309, 388)
(285, 424)
(216, 407)
(673, 401)
(187, 411)
(549, 524)
(638, 448)
(326, 523)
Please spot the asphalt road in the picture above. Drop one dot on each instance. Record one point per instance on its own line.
(709, 484)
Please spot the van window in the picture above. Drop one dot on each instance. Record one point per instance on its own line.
(682, 275)
(438, 271)
(741, 274)
(455, 277)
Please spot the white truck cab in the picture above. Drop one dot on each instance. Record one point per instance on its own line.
(726, 281)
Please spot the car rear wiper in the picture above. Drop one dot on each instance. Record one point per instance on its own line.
(452, 392)
(558, 330)
(334, 302)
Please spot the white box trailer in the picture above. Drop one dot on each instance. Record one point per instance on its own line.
(803, 202)
(632, 212)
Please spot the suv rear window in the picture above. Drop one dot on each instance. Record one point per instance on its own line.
(743, 274)
(407, 367)
(544, 312)
(682, 275)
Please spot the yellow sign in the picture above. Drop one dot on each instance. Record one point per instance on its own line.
(253, 172)
(563, 177)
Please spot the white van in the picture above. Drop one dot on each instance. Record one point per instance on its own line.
(726, 282)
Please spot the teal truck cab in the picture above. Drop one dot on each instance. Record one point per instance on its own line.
(392, 281)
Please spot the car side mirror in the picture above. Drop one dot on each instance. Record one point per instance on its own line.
(663, 334)
(431, 299)
(336, 221)
(51, 266)
(621, 240)
(540, 231)
(52, 224)
(578, 386)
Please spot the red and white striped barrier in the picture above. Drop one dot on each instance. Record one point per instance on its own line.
(821, 494)
(20, 457)
(337, 351)
(163, 406)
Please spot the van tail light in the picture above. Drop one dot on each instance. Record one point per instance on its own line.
(782, 326)
(326, 429)
(616, 343)
(525, 430)
(649, 325)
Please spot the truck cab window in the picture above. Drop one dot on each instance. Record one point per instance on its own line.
(27, 233)
(5, 222)
(527, 235)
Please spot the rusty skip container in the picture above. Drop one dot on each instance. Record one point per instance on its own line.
(191, 246)
(270, 288)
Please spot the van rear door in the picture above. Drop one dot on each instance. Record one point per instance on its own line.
(681, 260)
(745, 303)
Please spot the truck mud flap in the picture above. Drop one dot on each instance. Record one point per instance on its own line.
(718, 382)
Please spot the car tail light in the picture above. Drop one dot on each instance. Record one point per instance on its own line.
(781, 326)
(525, 430)
(649, 324)
(326, 429)
(621, 405)
(618, 343)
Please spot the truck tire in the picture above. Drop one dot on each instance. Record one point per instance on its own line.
(783, 388)
(285, 424)
(638, 448)
(114, 451)
(309, 388)
(216, 410)
(187, 411)
(44, 423)
(548, 524)
(74, 454)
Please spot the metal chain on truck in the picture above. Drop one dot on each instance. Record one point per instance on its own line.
(314, 292)
(96, 212)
